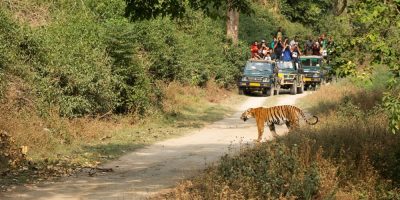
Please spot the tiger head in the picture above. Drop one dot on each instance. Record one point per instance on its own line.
(247, 114)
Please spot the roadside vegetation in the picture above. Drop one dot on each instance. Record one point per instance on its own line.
(349, 154)
(353, 152)
(60, 147)
(81, 84)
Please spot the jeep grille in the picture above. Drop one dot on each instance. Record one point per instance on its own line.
(255, 78)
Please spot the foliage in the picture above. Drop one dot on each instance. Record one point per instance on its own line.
(6, 35)
(365, 39)
(392, 105)
(309, 12)
(375, 26)
(131, 83)
(143, 9)
(266, 24)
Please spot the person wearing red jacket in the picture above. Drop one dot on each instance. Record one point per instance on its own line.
(254, 50)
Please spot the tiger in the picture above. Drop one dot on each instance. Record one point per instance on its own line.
(278, 115)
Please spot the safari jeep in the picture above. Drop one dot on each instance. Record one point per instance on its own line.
(313, 70)
(290, 77)
(258, 75)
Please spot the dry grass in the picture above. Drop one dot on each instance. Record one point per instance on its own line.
(349, 154)
(214, 93)
(42, 135)
(31, 12)
(178, 96)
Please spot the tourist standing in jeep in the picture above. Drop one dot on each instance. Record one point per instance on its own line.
(296, 53)
(273, 41)
(279, 33)
(287, 54)
(294, 42)
(316, 49)
(254, 50)
(278, 49)
(308, 46)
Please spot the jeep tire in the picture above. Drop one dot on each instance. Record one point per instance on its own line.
(270, 91)
(241, 91)
(276, 89)
(300, 89)
(293, 89)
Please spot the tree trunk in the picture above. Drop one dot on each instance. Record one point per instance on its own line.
(232, 25)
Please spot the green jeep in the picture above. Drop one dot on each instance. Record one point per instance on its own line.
(258, 75)
(290, 77)
(314, 70)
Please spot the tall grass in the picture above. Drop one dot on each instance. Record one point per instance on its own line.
(349, 154)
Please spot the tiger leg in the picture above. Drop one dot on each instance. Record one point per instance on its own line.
(291, 125)
(272, 129)
(260, 126)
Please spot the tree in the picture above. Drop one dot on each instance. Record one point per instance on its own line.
(232, 23)
(147, 9)
(310, 12)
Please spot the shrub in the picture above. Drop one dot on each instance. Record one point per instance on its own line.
(76, 72)
(8, 31)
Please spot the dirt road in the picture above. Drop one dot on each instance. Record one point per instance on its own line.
(152, 169)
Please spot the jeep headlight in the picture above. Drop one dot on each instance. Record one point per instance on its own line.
(245, 78)
(316, 75)
(265, 80)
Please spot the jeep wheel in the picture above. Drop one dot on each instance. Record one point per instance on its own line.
(241, 92)
(276, 89)
(293, 89)
(264, 92)
(300, 89)
(323, 81)
(270, 91)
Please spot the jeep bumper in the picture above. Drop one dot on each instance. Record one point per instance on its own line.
(253, 85)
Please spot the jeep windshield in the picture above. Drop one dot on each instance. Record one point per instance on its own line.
(286, 66)
(258, 68)
(311, 64)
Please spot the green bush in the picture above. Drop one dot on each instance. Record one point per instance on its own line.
(265, 24)
(87, 59)
(76, 74)
(131, 83)
(15, 55)
(270, 170)
(7, 48)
